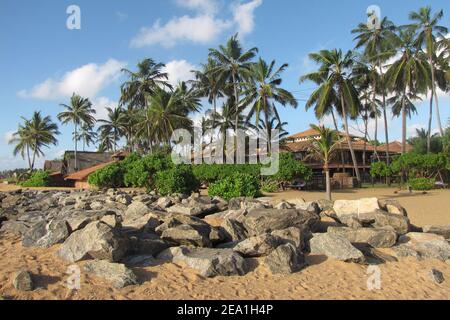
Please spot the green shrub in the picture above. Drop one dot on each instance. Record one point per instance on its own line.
(237, 185)
(178, 179)
(210, 173)
(290, 169)
(421, 183)
(141, 172)
(110, 176)
(270, 186)
(37, 179)
(380, 169)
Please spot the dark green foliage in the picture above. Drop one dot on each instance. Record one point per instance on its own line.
(210, 173)
(290, 169)
(421, 183)
(380, 170)
(140, 172)
(37, 179)
(178, 179)
(422, 166)
(110, 176)
(237, 185)
(270, 186)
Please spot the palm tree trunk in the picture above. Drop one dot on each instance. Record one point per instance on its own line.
(430, 119)
(386, 129)
(213, 118)
(340, 146)
(76, 146)
(327, 181)
(236, 97)
(350, 146)
(433, 92)
(374, 108)
(29, 159)
(403, 124)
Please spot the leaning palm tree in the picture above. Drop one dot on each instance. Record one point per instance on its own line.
(146, 80)
(114, 124)
(324, 149)
(336, 88)
(263, 91)
(233, 66)
(87, 135)
(407, 77)
(35, 134)
(78, 112)
(428, 31)
(379, 45)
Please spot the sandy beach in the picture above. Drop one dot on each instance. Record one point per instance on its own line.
(322, 279)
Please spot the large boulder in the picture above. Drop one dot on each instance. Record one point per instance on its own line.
(259, 221)
(208, 262)
(298, 237)
(350, 207)
(392, 206)
(285, 259)
(15, 227)
(440, 230)
(57, 232)
(377, 238)
(336, 247)
(117, 274)
(23, 281)
(96, 240)
(257, 246)
(398, 222)
(135, 210)
(234, 230)
(188, 235)
(423, 245)
(34, 233)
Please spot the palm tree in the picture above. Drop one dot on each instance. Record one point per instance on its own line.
(79, 112)
(33, 135)
(146, 80)
(87, 135)
(263, 91)
(209, 85)
(407, 77)
(379, 45)
(233, 66)
(114, 124)
(336, 87)
(324, 149)
(129, 123)
(428, 30)
(107, 141)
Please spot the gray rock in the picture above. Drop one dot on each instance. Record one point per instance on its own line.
(423, 246)
(164, 202)
(208, 262)
(377, 238)
(57, 232)
(23, 281)
(15, 227)
(350, 207)
(392, 206)
(258, 246)
(437, 276)
(234, 230)
(96, 240)
(396, 221)
(285, 259)
(440, 230)
(336, 247)
(188, 235)
(117, 274)
(193, 208)
(259, 221)
(351, 221)
(136, 210)
(148, 246)
(123, 199)
(298, 237)
(140, 261)
(78, 222)
(217, 235)
(33, 234)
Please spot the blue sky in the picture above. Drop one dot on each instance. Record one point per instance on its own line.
(42, 62)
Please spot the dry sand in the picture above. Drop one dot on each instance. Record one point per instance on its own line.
(322, 279)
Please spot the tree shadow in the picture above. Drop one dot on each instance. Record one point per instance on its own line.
(43, 281)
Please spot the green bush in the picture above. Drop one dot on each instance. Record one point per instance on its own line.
(270, 186)
(380, 169)
(140, 173)
(178, 179)
(237, 185)
(210, 173)
(37, 179)
(421, 183)
(110, 176)
(290, 169)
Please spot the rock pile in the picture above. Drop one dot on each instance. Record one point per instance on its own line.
(116, 231)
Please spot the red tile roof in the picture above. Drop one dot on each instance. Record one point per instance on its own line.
(83, 174)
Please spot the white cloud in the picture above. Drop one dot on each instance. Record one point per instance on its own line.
(100, 104)
(202, 28)
(8, 136)
(179, 70)
(204, 6)
(244, 16)
(87, 80)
